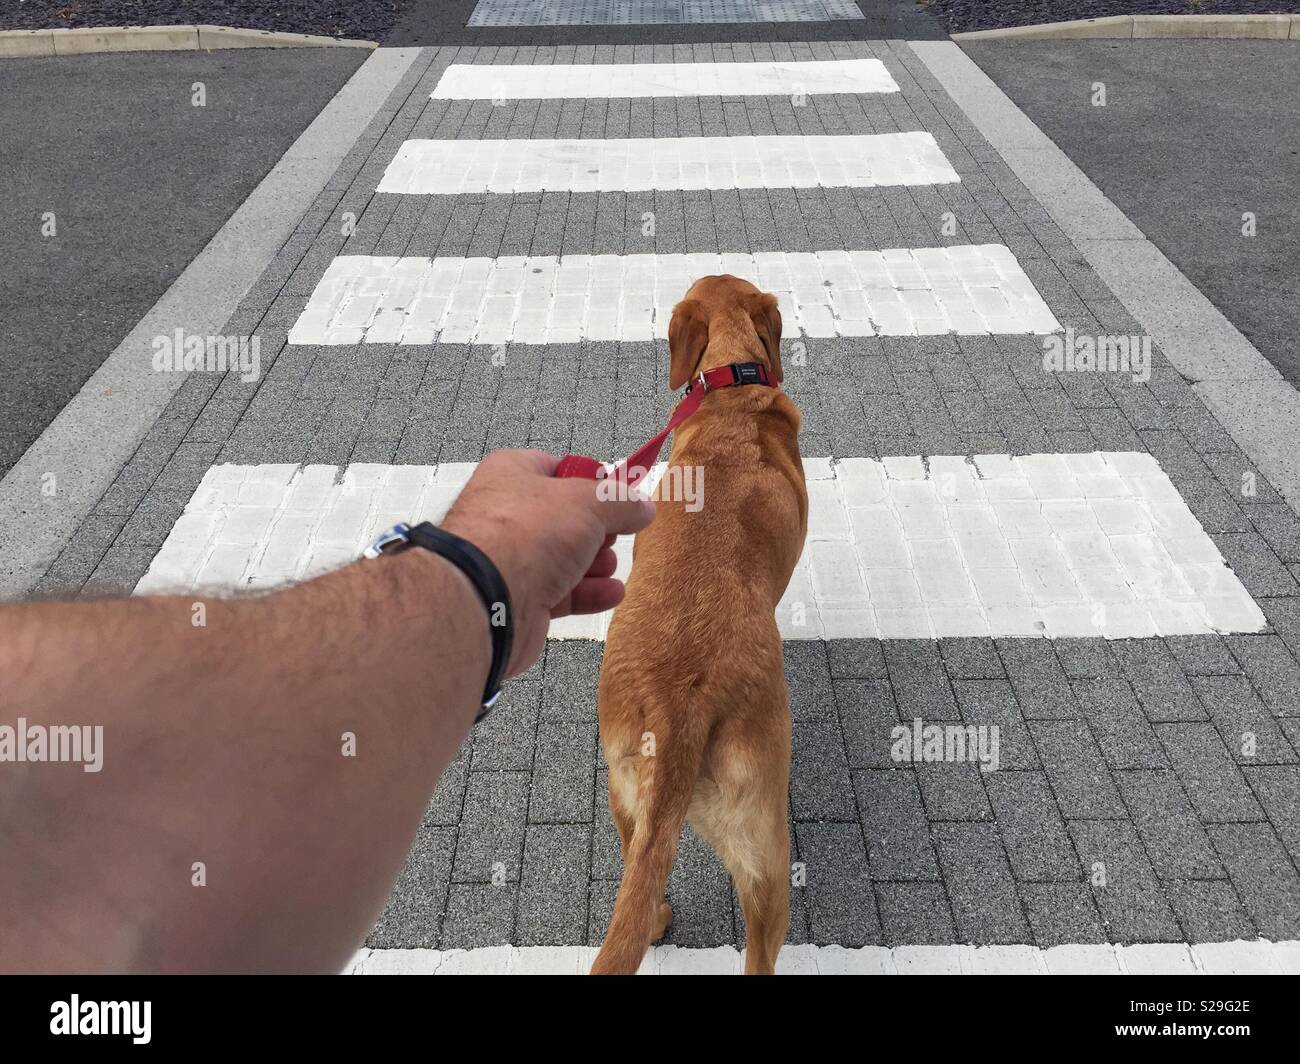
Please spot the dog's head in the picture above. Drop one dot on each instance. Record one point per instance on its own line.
(728, 318)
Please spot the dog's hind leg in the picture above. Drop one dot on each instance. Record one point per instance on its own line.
(764, 891)
(667, 781)
(622, 810)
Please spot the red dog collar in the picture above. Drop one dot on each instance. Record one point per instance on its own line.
(637, 465)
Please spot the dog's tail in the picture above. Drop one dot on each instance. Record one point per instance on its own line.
(667, 784)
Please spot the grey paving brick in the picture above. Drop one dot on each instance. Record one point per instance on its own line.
(894, 824)
(570, 679)
(478, 915)
(491, 839)
(1249, 731)
(980, 884)
(808, 678)
(1264, 875)
(820, 788)
(1279, 526)
(953, 791)
(505, 739)
(1210, 911)
(1291, 729)
(1284, 615)
(1086, 659)
(1118, 725)
(1213, 782)
(991, 704)
(868, 717)
(1062, 913)
(563, 772)
(971, 659)
(1032, 829)
(1128, 893)
(915, 914)
(856, 658)
(920, 682)
(1278, 789)
(1174, 838)
(1041, 686)
(841, 904)
(1157, 680)
(1202, 655)
(1272, 669)
(556, 867)
(1082, 784)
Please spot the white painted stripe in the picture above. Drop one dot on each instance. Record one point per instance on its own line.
(1258, 957)
(1048, 545)
(967, 289)
(642, 164)
(561, 81)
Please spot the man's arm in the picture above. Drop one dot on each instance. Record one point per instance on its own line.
(263, 775)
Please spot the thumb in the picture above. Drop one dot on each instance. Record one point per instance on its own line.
(621, 516)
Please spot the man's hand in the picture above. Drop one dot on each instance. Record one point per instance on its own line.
(552, 540)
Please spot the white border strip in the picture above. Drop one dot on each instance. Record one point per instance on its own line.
(1259, 957)
(665, 164)
(566, 81)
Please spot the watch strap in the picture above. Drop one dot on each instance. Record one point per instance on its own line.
(491, 587)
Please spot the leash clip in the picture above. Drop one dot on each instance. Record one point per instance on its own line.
(701, 381)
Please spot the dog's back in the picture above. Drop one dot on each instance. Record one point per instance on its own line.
(694, 712)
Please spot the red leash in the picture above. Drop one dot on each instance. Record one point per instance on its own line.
(639, 462)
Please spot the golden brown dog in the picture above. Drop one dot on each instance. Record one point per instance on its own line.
(694, 711)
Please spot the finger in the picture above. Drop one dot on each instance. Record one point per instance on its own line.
(596, 595)
(604, 564)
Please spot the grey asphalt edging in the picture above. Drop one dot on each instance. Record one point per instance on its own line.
(1257, 407)
(1123, 27)
(54, 486)
(158, 38)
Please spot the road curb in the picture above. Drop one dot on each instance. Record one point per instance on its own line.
(1147, 27)
(21, 43)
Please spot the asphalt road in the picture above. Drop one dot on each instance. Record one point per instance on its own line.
(138, 180)
(1194, 135)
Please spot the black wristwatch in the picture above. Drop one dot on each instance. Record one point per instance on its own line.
(480, 572)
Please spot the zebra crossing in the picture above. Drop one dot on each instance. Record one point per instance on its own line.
(1058, 555)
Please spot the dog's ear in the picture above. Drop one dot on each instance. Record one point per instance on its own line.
(688, 336)
(765, 312)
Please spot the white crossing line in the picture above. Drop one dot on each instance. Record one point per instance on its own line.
(1258, 957)
(563, 81)
(966, 289)
(642, 164)
(1096, 544)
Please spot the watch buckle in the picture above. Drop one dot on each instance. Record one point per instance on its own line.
(398, 534)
